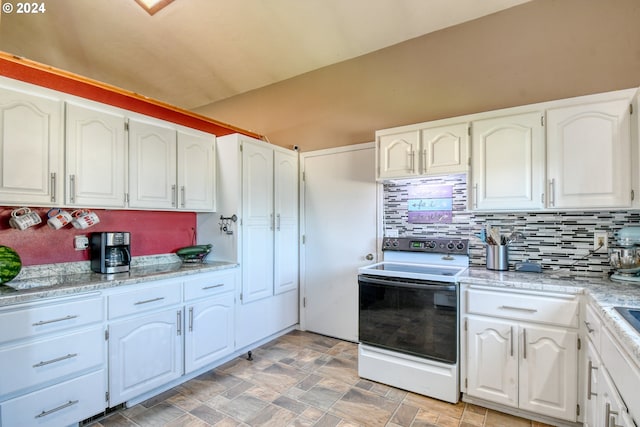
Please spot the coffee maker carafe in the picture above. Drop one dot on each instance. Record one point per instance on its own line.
(110, 252)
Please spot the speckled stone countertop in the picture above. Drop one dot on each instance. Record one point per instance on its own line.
(601, 293)
(66, 279)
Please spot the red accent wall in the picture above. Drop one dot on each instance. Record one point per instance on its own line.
(152, 232)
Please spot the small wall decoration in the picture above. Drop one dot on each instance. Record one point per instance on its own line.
(430, 204)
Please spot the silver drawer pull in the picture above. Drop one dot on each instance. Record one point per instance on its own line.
(213, 286)
(588, 326)
(59, 408)
(147, 301)
(58, 359)
(509, 307)
(44, 322)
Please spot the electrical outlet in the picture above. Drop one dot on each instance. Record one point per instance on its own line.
(81, 243)
(600, 241)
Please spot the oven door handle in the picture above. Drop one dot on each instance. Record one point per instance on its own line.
(434, 287)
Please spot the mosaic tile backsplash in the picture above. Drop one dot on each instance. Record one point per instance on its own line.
(556, 240)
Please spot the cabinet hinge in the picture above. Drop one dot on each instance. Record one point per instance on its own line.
(579, 343)
(304, 239)
(304, 301)
(466, 383)
(240, 296)
(541, 120)
(578, 409)
(630, 108)
(304, 176)
(633, 195)
(106, 335)
(241, 148)
(469, 130)
(106, 396)
(465, 324)
(126, 126)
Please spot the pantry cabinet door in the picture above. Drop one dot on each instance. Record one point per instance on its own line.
(196, 171)
(31, 147)
(508, 156)
(286, 228)
(398, 155)
(589, 155)
(257, 222)
(152, 166)
(492, 360)
(549, 371)
(95, 157)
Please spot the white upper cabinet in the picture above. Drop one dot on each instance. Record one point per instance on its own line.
(445, 149)
(196, 170)
(95, 157)
(422, 150)
(508, 162)
(397, 153)
(31, 149)
(152, 166)
(589, 155)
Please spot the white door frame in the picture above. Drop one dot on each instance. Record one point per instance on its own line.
(379, 216)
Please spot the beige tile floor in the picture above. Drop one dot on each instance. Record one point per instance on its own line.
(299, 379)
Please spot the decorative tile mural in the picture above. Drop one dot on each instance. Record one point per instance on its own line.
(556, 240)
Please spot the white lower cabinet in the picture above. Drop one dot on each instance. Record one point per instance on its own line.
(144, 353)
(518, 357)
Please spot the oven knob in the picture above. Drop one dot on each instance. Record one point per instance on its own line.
(460, 246)
(432, 244)
(387, 243)
(395, 243)
(450, 246)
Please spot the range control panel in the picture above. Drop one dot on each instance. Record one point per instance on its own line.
(426, 244)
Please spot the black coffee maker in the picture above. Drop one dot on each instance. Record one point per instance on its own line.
(110, 252)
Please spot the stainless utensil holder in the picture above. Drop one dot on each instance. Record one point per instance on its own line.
(497, 257)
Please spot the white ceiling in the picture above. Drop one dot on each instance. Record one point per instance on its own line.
(197, 52)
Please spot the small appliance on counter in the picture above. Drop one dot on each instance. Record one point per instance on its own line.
(110, 252)
(624, 257)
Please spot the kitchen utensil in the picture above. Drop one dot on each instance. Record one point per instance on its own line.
(625, 259)
(497, 257)
(23, 218)
(194, 254)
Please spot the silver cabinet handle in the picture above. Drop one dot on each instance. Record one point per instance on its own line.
(278, 222)
(190, 319)
(475, 196)
(590, 380)
(147, 301)
(183, 196)
(59, 408)
(179, 322)
(609, 419)
(510, 307)
(524, 343)
(44, 322)
(588, 326)
(424, 160)
(412, 160)
(174, 195)
(57, 359)
(552, 192)
(511, 339)
(369, 257)
(72, 188)
(213, 286)
(271, 223)
(53, 186)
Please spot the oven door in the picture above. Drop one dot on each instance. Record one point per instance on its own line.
(410, 316)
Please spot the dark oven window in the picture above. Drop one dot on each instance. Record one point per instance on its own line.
(414, 320)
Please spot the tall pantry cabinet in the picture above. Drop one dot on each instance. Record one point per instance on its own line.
(258, 182)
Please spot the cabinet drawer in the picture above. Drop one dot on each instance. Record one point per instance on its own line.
(556, 309)
(59, 405)
(50, 359)
(593, 327)
(160, 294)
(34, 320)
(209, 284)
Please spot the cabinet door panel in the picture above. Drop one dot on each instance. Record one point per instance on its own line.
(286, 229)
(209, 334)
(445, 149)
(508, 162)
(397, 154)
(95, 154)
(492, 365)
(30, 149)
(144, 353)
(549, 371)
(590, 155)
(257, 222)
(196, 177)
(152, 166)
